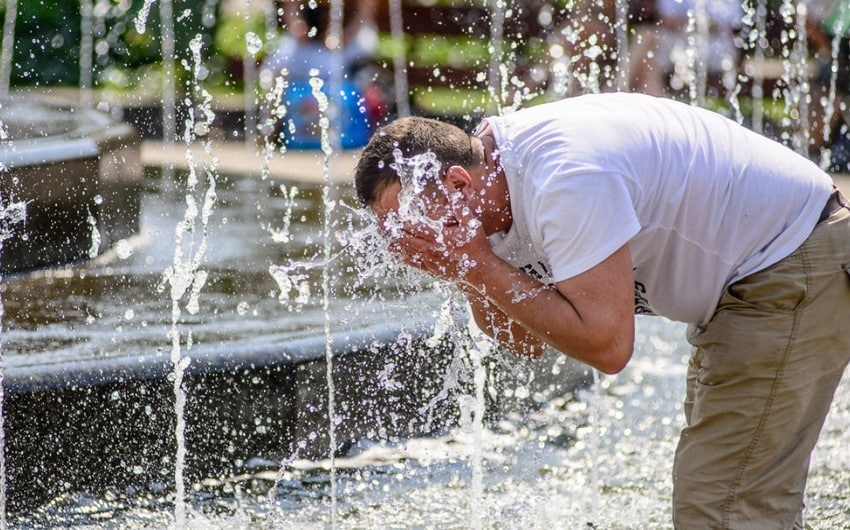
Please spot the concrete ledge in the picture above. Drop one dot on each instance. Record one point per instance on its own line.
(263, 353)
(76, 170)
(243, 403)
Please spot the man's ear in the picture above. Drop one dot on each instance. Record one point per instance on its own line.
(458, 179)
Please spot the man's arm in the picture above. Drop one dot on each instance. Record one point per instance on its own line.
(589, 317)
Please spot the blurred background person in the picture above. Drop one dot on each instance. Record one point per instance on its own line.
(659, 63)
(307, 48)
(828, 23)
(306, 42)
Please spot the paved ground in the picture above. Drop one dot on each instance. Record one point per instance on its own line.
(239, 158)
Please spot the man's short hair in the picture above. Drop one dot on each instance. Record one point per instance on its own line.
(412, 136)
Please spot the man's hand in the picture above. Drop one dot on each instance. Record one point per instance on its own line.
(449, 252)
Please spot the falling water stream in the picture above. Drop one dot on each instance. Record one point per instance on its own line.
(757, 36)
(829, 103)
(325, 114)
(86, 50)
(169, 95)
(399, 59)
(11, 214)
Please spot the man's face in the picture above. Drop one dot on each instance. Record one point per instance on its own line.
(428, 211)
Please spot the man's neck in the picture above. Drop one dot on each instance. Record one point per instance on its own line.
(492, 187)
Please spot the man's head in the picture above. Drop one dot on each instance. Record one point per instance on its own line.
(412, 136)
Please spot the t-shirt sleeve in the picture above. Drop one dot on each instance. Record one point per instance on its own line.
(581, 218)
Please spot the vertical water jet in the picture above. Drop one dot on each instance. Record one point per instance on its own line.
(86, 48)
(8, 48)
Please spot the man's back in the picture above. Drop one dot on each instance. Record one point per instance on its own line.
(701, 200)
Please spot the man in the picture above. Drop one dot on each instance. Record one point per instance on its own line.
(561, 221)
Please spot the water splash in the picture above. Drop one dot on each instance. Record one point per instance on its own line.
(94, 248)
(293, 279)
(415, 174)
(11, 215)
(284, 233)
(253, 43)
(275, 113)
(447, 329)
(185, 275)
(141, 20)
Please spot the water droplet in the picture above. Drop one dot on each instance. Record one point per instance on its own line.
(253, 42)
(123, 249)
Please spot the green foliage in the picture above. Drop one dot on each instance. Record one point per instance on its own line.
(48, 36)
(46, 43)
(230, 34)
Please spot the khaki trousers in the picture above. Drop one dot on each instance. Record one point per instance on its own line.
(762, 375)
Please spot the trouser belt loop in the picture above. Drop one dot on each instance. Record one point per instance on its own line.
(836, 201)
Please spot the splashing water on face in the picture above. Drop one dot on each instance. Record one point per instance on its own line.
(415, 173)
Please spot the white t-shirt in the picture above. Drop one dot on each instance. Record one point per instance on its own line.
(701, 200)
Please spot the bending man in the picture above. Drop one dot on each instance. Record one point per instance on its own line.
(562, 221)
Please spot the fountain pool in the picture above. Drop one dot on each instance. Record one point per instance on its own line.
(87, 371)
(599, 460)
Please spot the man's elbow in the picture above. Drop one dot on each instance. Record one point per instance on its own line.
(614, 348)
(613, 365)
(611, 359)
